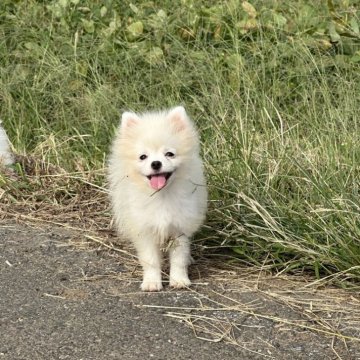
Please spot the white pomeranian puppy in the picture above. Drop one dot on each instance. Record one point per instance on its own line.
(158, 190)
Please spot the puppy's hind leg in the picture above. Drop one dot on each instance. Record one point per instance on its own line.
(180, 259)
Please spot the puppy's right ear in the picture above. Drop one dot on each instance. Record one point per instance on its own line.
(129, 119)
(178, 118)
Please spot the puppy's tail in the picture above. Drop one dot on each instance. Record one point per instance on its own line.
(6, 156)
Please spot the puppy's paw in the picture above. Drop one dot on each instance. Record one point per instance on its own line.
(179, 282)
(151, 286)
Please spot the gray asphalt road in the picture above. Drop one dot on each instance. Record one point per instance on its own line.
(60, 301)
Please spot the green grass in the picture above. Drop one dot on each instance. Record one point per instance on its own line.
(273, 88)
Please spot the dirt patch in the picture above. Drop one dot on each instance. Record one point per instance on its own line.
(67, 295)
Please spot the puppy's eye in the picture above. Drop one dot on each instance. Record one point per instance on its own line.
(170, 154)
(142, 157)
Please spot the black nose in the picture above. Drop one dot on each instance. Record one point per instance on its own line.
(156, 165)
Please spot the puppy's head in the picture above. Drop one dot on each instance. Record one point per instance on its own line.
(156, 147)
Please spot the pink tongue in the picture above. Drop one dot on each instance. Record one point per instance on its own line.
(157, 181)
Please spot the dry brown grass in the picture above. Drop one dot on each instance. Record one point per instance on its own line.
(42, 192)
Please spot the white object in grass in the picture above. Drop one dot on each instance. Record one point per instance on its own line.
(6, 157)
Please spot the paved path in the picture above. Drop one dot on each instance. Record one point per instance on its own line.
(59, 301)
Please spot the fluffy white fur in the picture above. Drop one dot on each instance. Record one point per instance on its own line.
(153, 210)
(6, 157)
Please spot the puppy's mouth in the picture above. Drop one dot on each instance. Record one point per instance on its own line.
(158, 181)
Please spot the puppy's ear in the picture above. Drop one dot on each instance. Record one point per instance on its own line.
(178, 118)
(129, 119)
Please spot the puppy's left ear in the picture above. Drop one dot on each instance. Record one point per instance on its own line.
(178, 118)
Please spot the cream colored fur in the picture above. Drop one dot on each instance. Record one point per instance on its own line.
(150, 218)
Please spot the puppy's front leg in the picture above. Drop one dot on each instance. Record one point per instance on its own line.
(180, 259)
(150, 258)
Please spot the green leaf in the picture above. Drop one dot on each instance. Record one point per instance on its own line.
(161, 14)
(82, 67)
(63, 3)
(155, 56)
(134, 8)
(235, 61)
(156, 21)
(34, 49)
(238, 250)
(354, 26)
(89, 26)
(103, 11)
(334, 36)
(135, 30)
(356, 57)
(279, 20)
(56, 10)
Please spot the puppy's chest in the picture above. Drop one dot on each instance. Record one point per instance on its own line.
(169, 210)
(169, 206)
